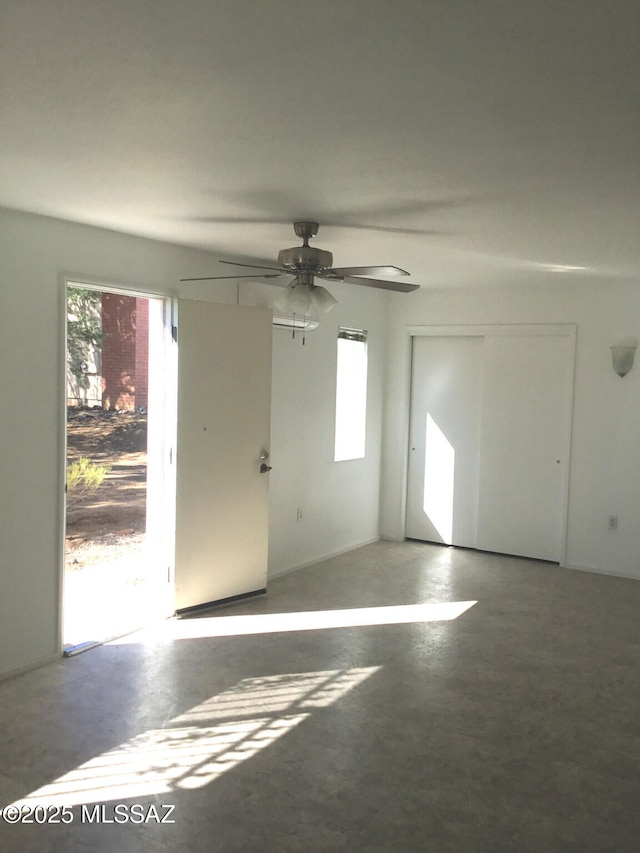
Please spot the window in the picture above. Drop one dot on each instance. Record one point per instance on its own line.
(351, 394)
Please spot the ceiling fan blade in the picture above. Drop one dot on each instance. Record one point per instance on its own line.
(344, 272)
(266, 266)
(221, 277)
(398, 286)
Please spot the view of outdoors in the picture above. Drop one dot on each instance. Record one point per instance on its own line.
(107, 576)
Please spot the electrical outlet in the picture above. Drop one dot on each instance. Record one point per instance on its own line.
(613, 522)
(299, 514)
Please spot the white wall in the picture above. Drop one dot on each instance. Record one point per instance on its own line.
(605, 457)
(36, 255)
(339, 500)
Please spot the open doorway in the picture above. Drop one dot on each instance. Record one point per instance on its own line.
(118, 560)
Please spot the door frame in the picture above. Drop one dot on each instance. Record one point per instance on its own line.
(71, 279)
(568, 330)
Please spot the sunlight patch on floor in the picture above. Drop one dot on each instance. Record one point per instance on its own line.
(196, 747)
(306, 620)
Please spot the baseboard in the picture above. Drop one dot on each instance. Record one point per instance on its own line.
(607, 572)
(280, 572)
(12, 673)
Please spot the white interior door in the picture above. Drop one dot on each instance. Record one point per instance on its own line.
(490, 438)
(442, 496)
(525, 434)
(224, 410)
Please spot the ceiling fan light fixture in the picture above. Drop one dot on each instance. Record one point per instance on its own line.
(321, 299)
(300, 299)
(295, 300)
(282, 302)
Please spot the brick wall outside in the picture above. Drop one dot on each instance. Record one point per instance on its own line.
(125, 351)
(142, 354)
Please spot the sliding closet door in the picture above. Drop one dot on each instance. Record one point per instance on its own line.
(489, 441)
(525, 428)
(442, 493)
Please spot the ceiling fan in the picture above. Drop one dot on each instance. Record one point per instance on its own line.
(306, 263)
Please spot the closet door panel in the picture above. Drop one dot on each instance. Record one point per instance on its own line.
(442, 494)
(523, 450)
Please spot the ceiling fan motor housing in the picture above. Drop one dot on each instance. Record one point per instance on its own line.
(305, 259)
(306, 230)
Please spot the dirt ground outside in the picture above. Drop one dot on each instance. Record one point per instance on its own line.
(112, 585)
(110, 522)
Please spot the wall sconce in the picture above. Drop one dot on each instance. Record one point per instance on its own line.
(622, 356)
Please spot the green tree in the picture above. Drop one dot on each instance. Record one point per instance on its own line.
(84, 329)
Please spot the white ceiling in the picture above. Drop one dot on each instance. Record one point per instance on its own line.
(506, 131)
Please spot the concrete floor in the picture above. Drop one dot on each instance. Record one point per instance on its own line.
(511, 723)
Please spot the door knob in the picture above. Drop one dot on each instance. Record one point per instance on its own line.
(264, 468)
